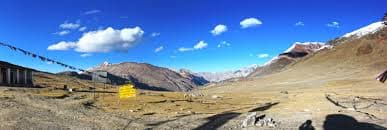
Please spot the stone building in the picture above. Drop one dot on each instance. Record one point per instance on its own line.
(14, 75)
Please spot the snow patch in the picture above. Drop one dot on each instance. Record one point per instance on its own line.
(106, 63)
(303, 43)
(369, 29)
(271, 61)
(323, 46)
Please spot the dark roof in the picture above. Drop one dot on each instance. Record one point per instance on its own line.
(3, 63)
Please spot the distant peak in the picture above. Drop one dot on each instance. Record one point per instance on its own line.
(253, 66)
(105, 63)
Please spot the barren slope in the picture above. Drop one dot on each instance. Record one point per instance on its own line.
(146, 76)
(345, 72)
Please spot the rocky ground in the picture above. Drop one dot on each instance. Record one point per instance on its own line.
(280, 105)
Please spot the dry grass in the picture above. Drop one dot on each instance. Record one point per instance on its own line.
(342, 71)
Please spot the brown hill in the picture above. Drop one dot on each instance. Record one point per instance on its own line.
(297, 51)
(146, 76)
(338, 80)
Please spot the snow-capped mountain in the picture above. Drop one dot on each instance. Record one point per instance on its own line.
(105, 63)
(300, 49)
(369, 29)
(366, 30)
(306, 47)
(220, 76)
(296, 51)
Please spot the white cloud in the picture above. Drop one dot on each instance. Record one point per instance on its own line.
(299, 23)
(86, 55)
(107, 40)
(91, 12)
(62, 33)
(200, 45)
(250, 22)
(219, 29)
(263, 55)
(184, 49)
(155, 34)
(82, 29)
(223, 44)
(67, 25)
(334, 24)
(158, 49)
(61, 46)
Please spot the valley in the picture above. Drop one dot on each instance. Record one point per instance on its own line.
(331, 88)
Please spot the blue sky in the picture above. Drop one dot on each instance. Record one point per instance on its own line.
(139, 27)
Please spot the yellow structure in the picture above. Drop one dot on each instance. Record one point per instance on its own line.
(127, 91)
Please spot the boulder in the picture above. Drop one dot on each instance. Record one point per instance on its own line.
(249, 120)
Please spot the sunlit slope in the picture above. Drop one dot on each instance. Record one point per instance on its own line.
(354, 59)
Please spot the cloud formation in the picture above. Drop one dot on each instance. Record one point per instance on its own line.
(62, 33)
(91, 12)
(263, 55)
(299, 23)
(62, 46)
(155, 34)
(250, 22)
(86, 55)
(158, 49)
(334, 24)
(81, 29)
(107, 40)
(219, 29)
(200, 45)
(67, 25)
(223, 44)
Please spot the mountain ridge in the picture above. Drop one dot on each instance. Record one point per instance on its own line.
(147, 76)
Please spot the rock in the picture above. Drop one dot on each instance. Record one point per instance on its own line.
(284, 92)
(259, 124)
(250, 120)
(215, 97)
(265, 122)
(190, 95)
(271, 124)
(259, 121)
(190, 112)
